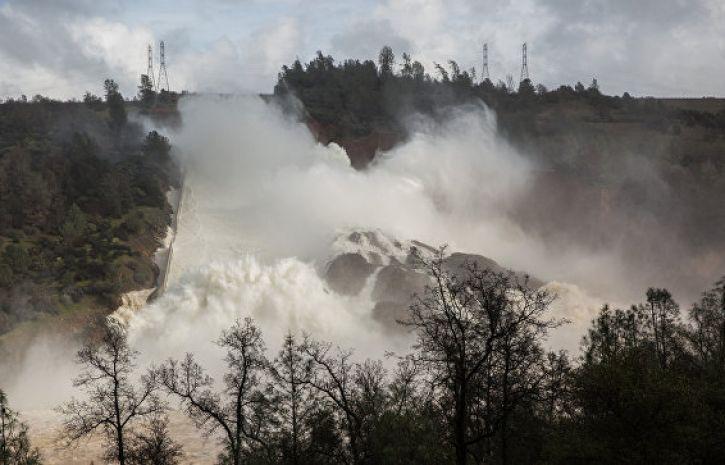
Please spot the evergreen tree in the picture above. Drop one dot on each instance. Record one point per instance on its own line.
(294, 401)
(15, 447)
(116, 104)
(146, 93)
(386, 62)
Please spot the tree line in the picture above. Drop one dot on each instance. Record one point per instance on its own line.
(478, 387)
(356, 97)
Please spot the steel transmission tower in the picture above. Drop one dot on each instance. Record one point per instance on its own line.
(484, 73)
(524, 63)
(163, 83)
(150, 68)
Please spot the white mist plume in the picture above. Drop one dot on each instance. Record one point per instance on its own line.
(259, 184)
(42, 378)
(262, 178)
(265, 173)
(263, 203)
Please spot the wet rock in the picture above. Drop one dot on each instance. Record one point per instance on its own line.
(347, 273)
(395, 287)
(390, 315)
(399, 276)
(397, 283)
(456, 263)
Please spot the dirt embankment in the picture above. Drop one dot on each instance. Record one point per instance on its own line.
(360, 149)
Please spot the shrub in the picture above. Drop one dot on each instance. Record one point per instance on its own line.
(6, 275)
(16, 257)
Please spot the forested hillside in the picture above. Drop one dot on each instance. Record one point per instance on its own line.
(82, 205)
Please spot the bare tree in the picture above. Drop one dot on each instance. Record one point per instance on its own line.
(355, 391)
(707, 329)
(154, 445)
(242, 409)
(113, 402)
(405, 391)
(475, 330)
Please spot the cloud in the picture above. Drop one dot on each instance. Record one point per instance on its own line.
(56, 48)
(217, 68)
(661, 13)
(649, 47)
(244, 65)
(364, 39)
(276, 45)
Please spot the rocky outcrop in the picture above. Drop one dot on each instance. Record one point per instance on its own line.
(348, 272)
(395, 288)
(398, 275)
(361, 150)
(456, 263)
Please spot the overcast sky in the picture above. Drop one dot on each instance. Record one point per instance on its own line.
(61, 48)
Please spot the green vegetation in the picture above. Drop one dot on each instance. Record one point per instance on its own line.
(82, 204)
(15, 447)
(360, 97)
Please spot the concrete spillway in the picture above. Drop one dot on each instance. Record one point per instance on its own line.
(207, 229)
(166, 257)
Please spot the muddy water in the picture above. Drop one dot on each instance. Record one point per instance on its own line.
(46, 428)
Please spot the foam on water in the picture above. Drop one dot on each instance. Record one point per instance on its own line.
(287, 295)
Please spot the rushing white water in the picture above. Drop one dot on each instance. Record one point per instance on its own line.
(262, 208)
(264, 202)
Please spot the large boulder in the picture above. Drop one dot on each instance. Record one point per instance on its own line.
(457, 263)
(347, 273)
(394, 291)
(398, 283)
(399, 275)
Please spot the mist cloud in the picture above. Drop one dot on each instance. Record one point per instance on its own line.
(265, 202)
(62, 48)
